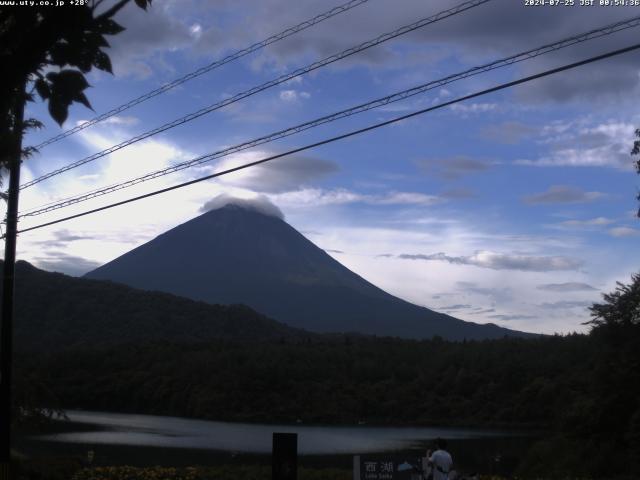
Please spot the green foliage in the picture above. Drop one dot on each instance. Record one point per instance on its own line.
(636, 151)
(620, 308)
(328, 380)
(38, 38)
(46, 468)
(599, 434)
(203, 473)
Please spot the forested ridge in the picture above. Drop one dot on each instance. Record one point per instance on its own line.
(56, 312)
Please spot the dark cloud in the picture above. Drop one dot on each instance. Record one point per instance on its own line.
(501, 294)
(67, 236)
(481, 312)
(565, 304)
(139, 50)
(332, 251)
(64, 263)
(562, 194)
(508, 318)
(509, 133)
(500, 261)
(490, 31)
(60, 239)
(452, 168)
(592, 222)
(506, 27)
(458, 306)
(566, 287)
(458, 194)
(283, 175)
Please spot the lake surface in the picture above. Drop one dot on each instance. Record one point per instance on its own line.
(101, 428)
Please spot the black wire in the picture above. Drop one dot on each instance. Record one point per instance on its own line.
(207, 68)
(264, 86)
(345, 135)
(397, 96)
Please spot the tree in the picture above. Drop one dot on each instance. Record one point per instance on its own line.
(614, 417)
(44, 50)
(621, 307)
(636, 151)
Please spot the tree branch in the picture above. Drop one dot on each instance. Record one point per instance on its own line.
(113, 10)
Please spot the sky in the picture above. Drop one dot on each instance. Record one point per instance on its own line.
(516, 208)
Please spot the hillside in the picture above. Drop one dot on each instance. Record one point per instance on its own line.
(55, 311)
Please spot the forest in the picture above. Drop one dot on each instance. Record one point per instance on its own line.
(583, 391)
(580, 391)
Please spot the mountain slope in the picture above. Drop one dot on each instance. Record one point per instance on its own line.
(55, 311)
(238, 255)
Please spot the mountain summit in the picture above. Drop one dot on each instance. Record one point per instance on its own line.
(239, 254)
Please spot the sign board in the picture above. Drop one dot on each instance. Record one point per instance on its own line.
(284, 462)
(386, 467)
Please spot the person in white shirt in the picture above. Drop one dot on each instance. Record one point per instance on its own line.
(440, 460)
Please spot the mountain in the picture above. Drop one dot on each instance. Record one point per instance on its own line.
(237, 254)
(55, 312)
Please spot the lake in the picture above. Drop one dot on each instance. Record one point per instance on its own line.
(147, 439)
(156, 431)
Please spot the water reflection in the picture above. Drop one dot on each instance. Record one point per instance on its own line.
(155, 431)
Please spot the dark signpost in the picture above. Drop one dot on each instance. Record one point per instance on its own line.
(385, 467)
(284, 459)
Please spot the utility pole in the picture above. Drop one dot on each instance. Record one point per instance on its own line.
(6, 329)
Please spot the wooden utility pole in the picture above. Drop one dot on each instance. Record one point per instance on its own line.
(6, 328)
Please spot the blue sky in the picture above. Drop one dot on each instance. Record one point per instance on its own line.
(515, 208)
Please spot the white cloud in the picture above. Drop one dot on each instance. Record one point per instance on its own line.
(466, 109)
(502, 261)
(288, 95)
(603, 145)
(293, 95)
(624, 232)
(340, 196)
(120, 120)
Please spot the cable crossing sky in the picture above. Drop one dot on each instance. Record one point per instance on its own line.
(348, 134)
(264, 86)
(207, 68)
(395, 97)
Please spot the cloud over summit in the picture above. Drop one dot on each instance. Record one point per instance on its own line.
(260, 204)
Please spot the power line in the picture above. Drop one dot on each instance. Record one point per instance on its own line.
(207, 68)
(345, 135)
(596, 33)
(257, 89)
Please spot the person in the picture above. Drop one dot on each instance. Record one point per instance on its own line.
(440, 461)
